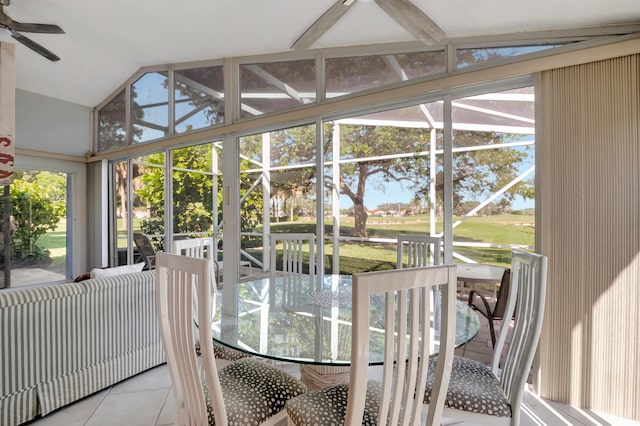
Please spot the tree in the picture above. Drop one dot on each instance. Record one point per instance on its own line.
(362, 142)
(367, 155)
(192, 194)
(37, 205)
(192, 198)
(480, 173)
(293, 148)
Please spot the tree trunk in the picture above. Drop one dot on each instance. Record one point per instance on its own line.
(360, 216)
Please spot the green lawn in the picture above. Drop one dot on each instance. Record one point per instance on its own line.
(358, 257)
(55, 242)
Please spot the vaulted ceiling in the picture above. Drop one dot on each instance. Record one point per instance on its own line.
(105, 42)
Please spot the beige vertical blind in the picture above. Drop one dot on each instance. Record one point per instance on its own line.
(588, 195)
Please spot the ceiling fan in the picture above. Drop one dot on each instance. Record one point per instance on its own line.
(16, 27)
(404, 12)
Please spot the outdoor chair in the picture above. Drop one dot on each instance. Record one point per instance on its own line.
(147, 252)
(492, 311)
(202, 248)
(245, 392)
(487, 395)
(397, 399)
(421, 250)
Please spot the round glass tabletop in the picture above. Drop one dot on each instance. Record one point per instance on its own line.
(308, 323)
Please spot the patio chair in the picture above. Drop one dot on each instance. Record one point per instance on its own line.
(147, 252)
(492, 311)
(421, 250)
(398, 398)
(475, 393)
(245, 392)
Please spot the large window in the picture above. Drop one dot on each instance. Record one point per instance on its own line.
(138, 205)
(493, 171)
(381, 174)
(142, 197)
(33, 241)
(278, 184)
(378, 172)
(381, 168)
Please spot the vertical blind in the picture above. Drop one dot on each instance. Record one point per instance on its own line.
(588, 193)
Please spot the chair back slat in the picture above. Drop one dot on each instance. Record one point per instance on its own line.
(408, 337)
(176, 276)
(420, 250)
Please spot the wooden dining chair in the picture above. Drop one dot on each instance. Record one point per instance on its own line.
(245, 392)
(420, 250)
(202, 248)
(397, 399)
(491, 395)
(293, 270)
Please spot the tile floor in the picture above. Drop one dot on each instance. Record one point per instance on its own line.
(146, 400)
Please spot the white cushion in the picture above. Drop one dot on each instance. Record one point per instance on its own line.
(118, 270)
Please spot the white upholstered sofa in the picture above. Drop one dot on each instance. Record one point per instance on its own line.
(60, 343)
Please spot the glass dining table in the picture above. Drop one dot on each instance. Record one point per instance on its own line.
(308, 322)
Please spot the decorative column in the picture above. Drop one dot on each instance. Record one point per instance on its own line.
(7, 128)
(7, 110)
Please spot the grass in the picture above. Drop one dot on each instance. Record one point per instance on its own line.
(360, 257)
(55, 241)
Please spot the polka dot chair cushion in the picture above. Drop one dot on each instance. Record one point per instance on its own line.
(253, 391)
(224, 352)
(328, 406)
(473, 388)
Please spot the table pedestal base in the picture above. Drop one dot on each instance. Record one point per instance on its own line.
(322, 376)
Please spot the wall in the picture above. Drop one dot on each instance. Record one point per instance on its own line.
(98, 220)
(588, 182)
(51, 125)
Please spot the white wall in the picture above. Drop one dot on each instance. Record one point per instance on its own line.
(51, 125)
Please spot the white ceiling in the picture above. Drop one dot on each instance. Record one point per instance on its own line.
(107, 41)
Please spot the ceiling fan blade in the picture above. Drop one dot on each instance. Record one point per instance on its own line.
(35, 46)
(413, 19)
(322, 24)
(11, 25)
(37, 28)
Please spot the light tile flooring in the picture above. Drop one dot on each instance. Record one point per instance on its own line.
(146, 400)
